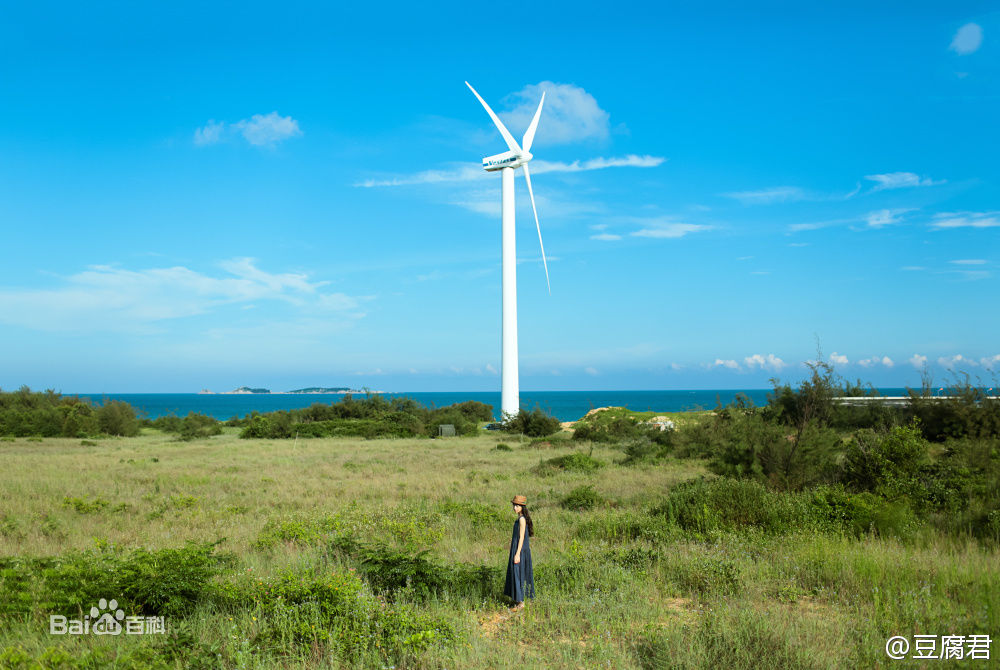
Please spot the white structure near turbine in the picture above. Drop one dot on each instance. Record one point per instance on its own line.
(518, 156)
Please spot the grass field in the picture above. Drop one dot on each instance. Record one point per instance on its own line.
(617, 586)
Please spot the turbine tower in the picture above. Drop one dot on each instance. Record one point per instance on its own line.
(506, 163)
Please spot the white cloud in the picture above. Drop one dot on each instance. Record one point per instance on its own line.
(956, 360)
(838, 359)
(875, 360)
(798, 227)
(989, 362)
(918, 361)
(606, 237)
(664, 228)
(892, 180)
(268, 129)
(769, 362)
(210, 133)
(913, 268)
(569, 114)
(591, 371)
(630, 160)
(967, 39)
(262, 130)
(974, 275)
(884, 217)
(969, 261)
(966, 220)
(474, 172)
(103, 297)
(769, 195)
(492, 370)
(731, 364)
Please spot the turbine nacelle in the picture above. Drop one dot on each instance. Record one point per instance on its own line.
(511, 159)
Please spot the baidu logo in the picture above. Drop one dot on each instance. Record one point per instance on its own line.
(106, 619)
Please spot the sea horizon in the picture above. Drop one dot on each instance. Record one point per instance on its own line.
(564, 405)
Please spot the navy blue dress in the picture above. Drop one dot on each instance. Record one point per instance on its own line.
(520, 578)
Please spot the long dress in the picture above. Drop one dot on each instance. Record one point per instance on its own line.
(520, 577)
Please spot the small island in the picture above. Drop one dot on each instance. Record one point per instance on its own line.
(323, 389)
(246, 390)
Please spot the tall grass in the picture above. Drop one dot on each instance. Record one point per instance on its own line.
(357, 553)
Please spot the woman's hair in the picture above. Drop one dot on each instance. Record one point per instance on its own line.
(527, 518)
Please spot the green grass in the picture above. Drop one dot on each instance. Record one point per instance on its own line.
(318, 522)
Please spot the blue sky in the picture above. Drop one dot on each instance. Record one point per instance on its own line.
(290, 195)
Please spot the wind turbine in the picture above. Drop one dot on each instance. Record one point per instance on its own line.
(505, 163)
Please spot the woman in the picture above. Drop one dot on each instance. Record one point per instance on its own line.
(520, 578)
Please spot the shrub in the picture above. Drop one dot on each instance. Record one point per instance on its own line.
(372, 416)
(582, 498)
(535, 423)
(705, 574)
(578, 462)
(335, 609)
(463, 424)
(116, 417)
(480, 515)
(897, 465)
(165, 582)
(702, 505)
(26, 413)
(642, 450)
(861, 513)
(84, 506)
(968, 411)
(617, 425)
(475, 411)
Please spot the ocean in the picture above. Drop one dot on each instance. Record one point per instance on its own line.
(564, 405)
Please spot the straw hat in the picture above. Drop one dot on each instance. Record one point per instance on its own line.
(519, 500)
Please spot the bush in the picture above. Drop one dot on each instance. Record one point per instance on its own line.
(618, 425)
(705, 574)
(967, 412)
(577, 462)
(25, 413)
(582, 498)
(335, 609)
(535, 423)
(742, 442)
(372, 416)
(897, 465)
(702, 505)
(165, 582)
(861, 513)
(191, 427)
(116, 417)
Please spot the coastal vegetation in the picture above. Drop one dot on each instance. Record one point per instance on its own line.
(806, 532)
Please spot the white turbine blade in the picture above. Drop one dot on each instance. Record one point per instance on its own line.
(529, 136)
(527, 178)
(507, 137)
